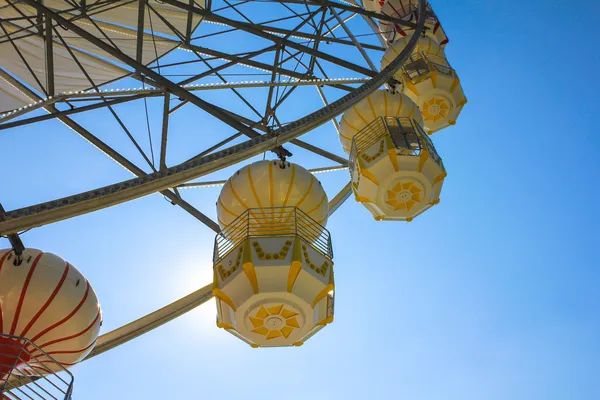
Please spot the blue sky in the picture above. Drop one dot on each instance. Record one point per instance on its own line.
(492, 294)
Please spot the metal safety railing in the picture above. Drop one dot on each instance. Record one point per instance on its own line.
(418, 67)
(27, 372)
(272, 222)
(405, 134)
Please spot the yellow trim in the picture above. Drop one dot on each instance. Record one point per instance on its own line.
(393, 158)
(371, 107)
(262, 313)
(434, 79)
(225, 208)
(312, 179)
(298, 344)
(225, 273)
(400, 105)
(274, 334)
(275, 310)
(385, 102)
(278, 255)
(318, 205)
(219, 294)
(379, 217)
(409, 219)
(254, 345)
(434, 202)
(238, 197)
(292, 322)
(454, 84)
(252, 186)
(289, 191)
(350, 125)
(248, 267)
(286, 331)
(223, 325)
(296, 265)
(361, 199)
(322, 270)
(255, 194)
(367, 174)
(422, 158)
(322, 294)
(325, 321)
(360, 115)
(221, 222)
(386, 59)
(271, 183)
(440, 177)
(411, 87)
(414, 107)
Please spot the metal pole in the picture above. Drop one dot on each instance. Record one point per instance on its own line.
(15, 241)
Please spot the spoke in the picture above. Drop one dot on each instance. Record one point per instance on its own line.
(296, 142)
(58, 113)
(356, 43)
(110, 108)
(270, 95)
(353, 9)
(140, 30)
(151, 321)
(18, 51)
(227, 65)
(49, 50)
(262, 32)
(165, 131)
(311, 65)
(110, 152)
(340, 198)
(159, 79)
(253, 64)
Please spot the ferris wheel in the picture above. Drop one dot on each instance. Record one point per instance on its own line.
(376, 72)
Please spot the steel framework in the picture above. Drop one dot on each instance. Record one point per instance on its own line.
(296, 47)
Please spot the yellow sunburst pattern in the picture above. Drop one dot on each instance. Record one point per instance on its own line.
(435, 109)
(404, 195)
(274, 322)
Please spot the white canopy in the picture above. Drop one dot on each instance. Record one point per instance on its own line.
(108, 25)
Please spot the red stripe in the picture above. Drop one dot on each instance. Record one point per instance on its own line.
(402, 4)
(1, 265)
(42, 368)
(50, 299)
(68, 317)
(398, 15)
(23, 293)
(436, 26)
(400, 30)
(72, 336)
(443, 42)
(67, 352)
(53, 361)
